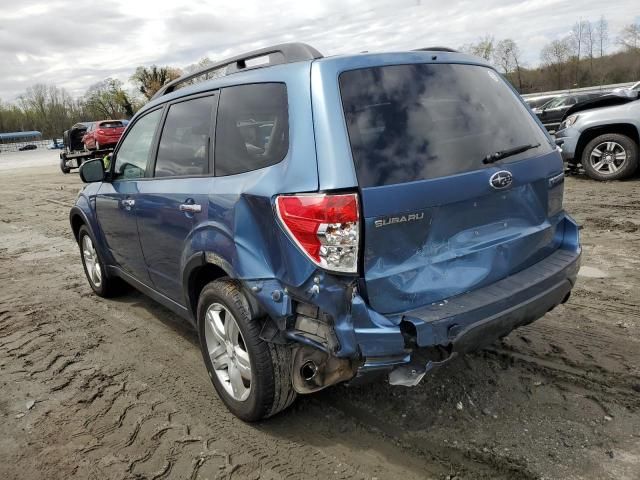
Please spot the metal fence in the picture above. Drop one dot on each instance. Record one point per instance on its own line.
(15, 146)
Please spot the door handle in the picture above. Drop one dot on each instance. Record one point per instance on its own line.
(128, 203)
(190, 208)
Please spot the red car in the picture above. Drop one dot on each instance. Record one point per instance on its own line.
(103, 134)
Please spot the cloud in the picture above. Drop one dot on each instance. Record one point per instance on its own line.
(75, 44)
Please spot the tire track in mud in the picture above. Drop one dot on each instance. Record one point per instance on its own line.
(144, 432)
(102, 413)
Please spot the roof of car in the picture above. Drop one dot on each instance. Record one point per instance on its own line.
(281, 71)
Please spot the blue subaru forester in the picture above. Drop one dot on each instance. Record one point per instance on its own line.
(326, 220)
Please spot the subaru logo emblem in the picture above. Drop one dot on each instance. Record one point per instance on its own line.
(501, 179)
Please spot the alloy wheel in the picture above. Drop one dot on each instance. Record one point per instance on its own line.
(227, 351)
(608, 157)
(91, 262)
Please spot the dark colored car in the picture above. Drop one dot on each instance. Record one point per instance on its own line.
(73, 137)
(540, 100)
(327, 220)
(27, 147)
(552, 112)
(103, 134)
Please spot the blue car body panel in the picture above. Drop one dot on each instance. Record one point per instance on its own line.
(408, 270)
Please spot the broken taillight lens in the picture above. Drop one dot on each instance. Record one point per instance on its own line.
(325, 227)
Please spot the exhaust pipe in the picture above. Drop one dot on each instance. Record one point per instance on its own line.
(308, 370)
(313, 370)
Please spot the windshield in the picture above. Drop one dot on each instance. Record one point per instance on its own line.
(556, 102)
(413, 122)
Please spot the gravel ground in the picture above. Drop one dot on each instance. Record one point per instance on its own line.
(93, 388)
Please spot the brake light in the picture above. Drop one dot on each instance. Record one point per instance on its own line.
(325, 227)
(101, 132)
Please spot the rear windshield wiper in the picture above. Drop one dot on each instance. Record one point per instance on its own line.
(499, 155)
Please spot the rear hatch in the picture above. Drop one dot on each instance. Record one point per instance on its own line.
(439, 219)
(112, 129)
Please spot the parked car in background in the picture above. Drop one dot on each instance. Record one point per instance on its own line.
(73, 137)
(103, 134)
(552, 112)
(27, 147)
(605, 138)
(357, 216)
(536, 102)
(56, 144)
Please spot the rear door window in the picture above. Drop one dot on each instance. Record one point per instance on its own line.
(415, 122)
(184, 144)
(252, 128)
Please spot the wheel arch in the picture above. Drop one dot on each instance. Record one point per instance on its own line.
(78, 218)
(200, 269)
(203, 268)
(627, 129)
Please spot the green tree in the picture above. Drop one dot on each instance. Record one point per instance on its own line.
(107, 99)
(151, 79)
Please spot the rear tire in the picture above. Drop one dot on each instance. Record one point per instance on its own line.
(611, 156)
(268, 390)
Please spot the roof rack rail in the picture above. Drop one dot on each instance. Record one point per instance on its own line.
(436, 49)
(277, 54)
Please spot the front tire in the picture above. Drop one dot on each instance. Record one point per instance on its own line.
(611, 156)
(94, 268)
(252, 377)
(63, 166)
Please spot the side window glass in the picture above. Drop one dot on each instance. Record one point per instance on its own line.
(252, 128)
(184, 144)
(131, 159)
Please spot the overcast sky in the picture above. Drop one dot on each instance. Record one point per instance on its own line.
(74, 44)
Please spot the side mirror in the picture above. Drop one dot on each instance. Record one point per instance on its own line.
(92, 171)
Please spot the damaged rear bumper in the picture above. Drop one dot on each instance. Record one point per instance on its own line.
(328, 313)
(476, 319)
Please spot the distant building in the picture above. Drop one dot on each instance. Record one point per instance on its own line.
(12, 141)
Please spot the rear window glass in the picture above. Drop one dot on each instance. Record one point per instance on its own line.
(414, 122)
(252, 128)
(111, 125)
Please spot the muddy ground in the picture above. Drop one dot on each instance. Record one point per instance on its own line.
(93, 388)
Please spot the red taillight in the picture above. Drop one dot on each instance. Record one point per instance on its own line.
(101, 132)
(325, 227)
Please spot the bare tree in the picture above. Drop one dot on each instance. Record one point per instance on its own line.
(483, 48)
(577, 39)
(506, 56)
(629, 37)
(554, 57)
(589, 45)
(602, 35)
